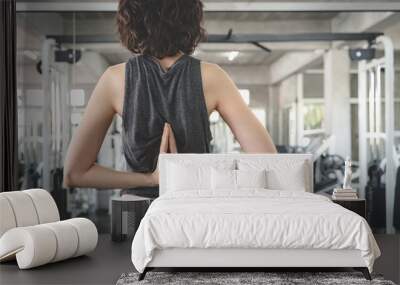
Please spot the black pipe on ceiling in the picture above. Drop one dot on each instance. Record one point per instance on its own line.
(230, 37)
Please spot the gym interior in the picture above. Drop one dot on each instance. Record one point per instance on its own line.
(323, 77)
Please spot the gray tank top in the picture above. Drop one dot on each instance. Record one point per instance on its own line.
(154, 96)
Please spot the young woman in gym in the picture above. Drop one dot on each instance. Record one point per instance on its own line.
(164, 97)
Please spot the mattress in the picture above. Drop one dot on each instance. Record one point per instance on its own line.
(251, 219)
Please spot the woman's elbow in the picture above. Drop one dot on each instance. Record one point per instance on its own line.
(71, 178)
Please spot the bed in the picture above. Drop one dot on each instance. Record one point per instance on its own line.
(246, 211)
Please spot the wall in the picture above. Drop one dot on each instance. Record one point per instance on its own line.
(313, 86)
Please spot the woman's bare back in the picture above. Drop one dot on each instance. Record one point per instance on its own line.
(220, 94)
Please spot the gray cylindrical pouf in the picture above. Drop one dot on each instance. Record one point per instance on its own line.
(126, 214)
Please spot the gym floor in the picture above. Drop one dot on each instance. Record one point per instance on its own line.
(111, 259)
(103, 266)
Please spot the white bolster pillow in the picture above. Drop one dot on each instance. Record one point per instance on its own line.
(87, 234)
(7, 219)
(32, 246)
(66, 238)
(23, 209)
(45, 205)
(40, 244)
(26, 208)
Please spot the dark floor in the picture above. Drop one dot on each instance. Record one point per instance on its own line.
(110, 260)
(103, 266)
(389, 262)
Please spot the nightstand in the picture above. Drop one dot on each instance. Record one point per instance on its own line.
(358, 206)
(126, 214)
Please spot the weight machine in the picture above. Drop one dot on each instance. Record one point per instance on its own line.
(376, 134)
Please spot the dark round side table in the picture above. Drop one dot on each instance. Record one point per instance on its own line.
(126, 213)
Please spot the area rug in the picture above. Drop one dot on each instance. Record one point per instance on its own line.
(243, 278)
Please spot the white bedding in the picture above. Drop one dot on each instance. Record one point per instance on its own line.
(251, 218)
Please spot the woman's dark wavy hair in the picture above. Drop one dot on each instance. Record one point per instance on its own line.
(160, 28)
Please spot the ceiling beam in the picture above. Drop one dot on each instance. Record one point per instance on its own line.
(291, 63)
(294, 6)
(301, 6)
(216, 47)
(247, 74)
(286, 25)
(300, 37)
(236, 38)
(363, 22)
(283, 46)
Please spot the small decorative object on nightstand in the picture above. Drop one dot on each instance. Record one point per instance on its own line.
(347, 196)
(347, 192)
(347, 174)
(358, 206)
(126, 214)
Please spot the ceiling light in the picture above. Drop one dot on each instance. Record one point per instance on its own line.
(232, 55)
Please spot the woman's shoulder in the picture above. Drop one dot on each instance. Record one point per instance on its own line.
(213, 75)
(212, 72)
(208, 67)
(115, 75)
(116, 70)
(215, 80)
(112, 83)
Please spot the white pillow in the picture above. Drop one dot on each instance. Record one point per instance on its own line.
(227, 179)
(251, 178)
(281, 173)
(223, 179)
(182, 177)
(292, 180)
(186, 174)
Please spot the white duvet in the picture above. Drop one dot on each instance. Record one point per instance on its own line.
(252, 218)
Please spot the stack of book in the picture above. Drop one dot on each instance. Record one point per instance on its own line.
(344, 194)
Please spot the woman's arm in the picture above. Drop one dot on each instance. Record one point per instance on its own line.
(250, 133)
(80, 169)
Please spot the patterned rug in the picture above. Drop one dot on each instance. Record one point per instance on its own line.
(243, 278)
